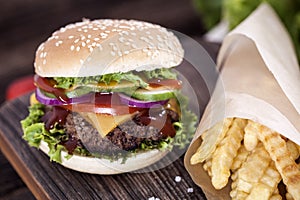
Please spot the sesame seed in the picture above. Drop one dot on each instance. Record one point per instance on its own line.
(148, 32)
(88, 40)
(91, 49)
(127, 43)
(121, 39)
(114, 48)
(72, 47)
(119, 53)
(83, 44)
(78, 48)
(82, 37)
(113, 53)
(56, 37)
(126, 52)
(103, 35)
(160, 46)
(107, 31)
(159, 38)
(95, 29)
(125, 32)
(96, 39)
(77, 40)
(79, 29)
(134, 46)
(41, 47)
(71, 36)
(85, 30)
(44, 62)
(122, 26)
(81, 61)
(89, 36)
(190, 190)
(99, 46)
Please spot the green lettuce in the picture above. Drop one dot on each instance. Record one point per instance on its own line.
(235, 11)
(134, 77)
(34, 132)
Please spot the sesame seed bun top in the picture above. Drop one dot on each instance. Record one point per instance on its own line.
(104, 46)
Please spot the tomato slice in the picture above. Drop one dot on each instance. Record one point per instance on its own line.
(169, 83)
(48, 85)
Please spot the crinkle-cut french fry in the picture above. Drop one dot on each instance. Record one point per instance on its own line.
(250, 138)
(298, 148)
(251, 171)
(226, 151)
(267, 184)
(260, 191)
(285, 164)
(236, 193)
(271, 176)
(210, 139)
(293, 149)
(240, 158)
(207, 166)
(276, 195)
(288, 196)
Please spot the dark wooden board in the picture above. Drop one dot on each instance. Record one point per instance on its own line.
(52, 181)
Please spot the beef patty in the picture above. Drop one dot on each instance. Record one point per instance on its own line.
(127, 136)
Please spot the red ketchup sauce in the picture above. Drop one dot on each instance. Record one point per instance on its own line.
(155, 119)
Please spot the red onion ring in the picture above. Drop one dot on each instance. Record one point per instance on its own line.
(55, 102)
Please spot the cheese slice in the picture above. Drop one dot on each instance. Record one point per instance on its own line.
(105, 123)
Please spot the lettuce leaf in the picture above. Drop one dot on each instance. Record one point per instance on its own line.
(35, 132)
(134, 77)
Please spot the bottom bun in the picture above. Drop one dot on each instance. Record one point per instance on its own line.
(103, 166)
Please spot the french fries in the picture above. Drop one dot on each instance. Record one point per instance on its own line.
(253, 156)
(284, 162)
(211, 138)
(225, 153)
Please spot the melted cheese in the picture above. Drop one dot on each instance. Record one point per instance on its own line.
(105, 123)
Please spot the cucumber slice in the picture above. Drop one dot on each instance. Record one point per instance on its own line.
(153, 95)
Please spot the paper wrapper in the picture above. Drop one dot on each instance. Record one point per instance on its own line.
(259, 80)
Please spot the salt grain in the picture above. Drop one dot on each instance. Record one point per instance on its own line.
(177, 179)
(190, 190)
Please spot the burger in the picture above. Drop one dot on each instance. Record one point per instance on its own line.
(107, 98)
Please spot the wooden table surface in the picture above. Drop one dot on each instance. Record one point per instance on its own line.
(25, 24)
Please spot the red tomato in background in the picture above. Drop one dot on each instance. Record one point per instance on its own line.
(20, 87)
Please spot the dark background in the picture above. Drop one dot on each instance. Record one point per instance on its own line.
(24, 24)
